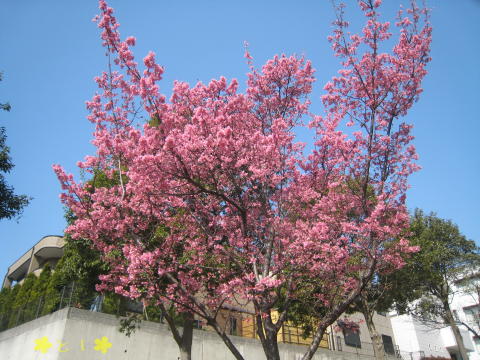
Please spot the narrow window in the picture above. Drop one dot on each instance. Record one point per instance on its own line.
(233, 325)
(388, 344)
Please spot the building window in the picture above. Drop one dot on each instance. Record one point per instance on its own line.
(352, 337)
(388, 344)
(197, 324)
(472, 315)
(476, 341)
(233, 325)
(351, 334)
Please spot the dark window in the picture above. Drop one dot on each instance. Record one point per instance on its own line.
(197, 324)
(388, 344)
(352, 337)
(233, 326)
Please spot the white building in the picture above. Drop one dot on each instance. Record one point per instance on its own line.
(414, 337)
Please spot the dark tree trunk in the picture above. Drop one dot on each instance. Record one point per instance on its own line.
(185, 345)
(226, 340)
(267, 332)
(377, 343)
(317, 338)
(184, 340)
(334, 314)
(271, 347)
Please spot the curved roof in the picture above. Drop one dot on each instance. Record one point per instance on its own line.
(47, 248)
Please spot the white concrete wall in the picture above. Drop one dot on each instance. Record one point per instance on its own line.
(405, 335)
(464, 298)
(72, 333)
(412, 336)
(430, 340)
(18, 343)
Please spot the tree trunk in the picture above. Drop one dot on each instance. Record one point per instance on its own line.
(268, 337)
(272, 352)
(184, 340)
(456, 331)
(377, 343)
(316, 340)
(459, 341)
(332, 316)
(185, 345)
(226, 340)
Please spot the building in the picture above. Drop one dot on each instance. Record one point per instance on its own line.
(48, 250)
(239, 320)
(357, 340)
(428, 340)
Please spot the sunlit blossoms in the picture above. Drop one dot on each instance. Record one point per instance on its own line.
(211, 199)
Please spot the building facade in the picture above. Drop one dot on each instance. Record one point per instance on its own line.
(435, 340)
(48, 250)
(237, 320)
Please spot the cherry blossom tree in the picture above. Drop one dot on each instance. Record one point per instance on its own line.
(211, 201)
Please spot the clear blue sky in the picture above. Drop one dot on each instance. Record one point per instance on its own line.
(50, 52)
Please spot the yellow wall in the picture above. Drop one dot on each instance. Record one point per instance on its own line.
(288, 333)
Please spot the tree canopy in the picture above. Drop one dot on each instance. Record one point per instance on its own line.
(215, 200)
(436, 272)
(11, 205)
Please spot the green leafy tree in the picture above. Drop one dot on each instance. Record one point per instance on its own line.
(22, 307)
(426, 282)
(11, 205)
(53, 291)
(40, 287)
(445, 258)
(75, 276)
(7, 300)
(4, 309)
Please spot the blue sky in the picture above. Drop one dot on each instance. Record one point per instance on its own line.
(50, 52)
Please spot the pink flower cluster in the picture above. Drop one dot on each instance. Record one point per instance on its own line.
(213, 200)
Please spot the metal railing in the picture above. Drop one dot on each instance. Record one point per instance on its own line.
(67, 296)
(362, 348)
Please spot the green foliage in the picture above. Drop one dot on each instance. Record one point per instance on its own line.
(4, 106)
(7, 300)
(154, 313)
(11, 205)
(23, 304)
(24, 295)
(445, 258)
(4, 296)
(114, 304)
(445, 253)
(78, 270)
(129, 324)
(40, 286)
